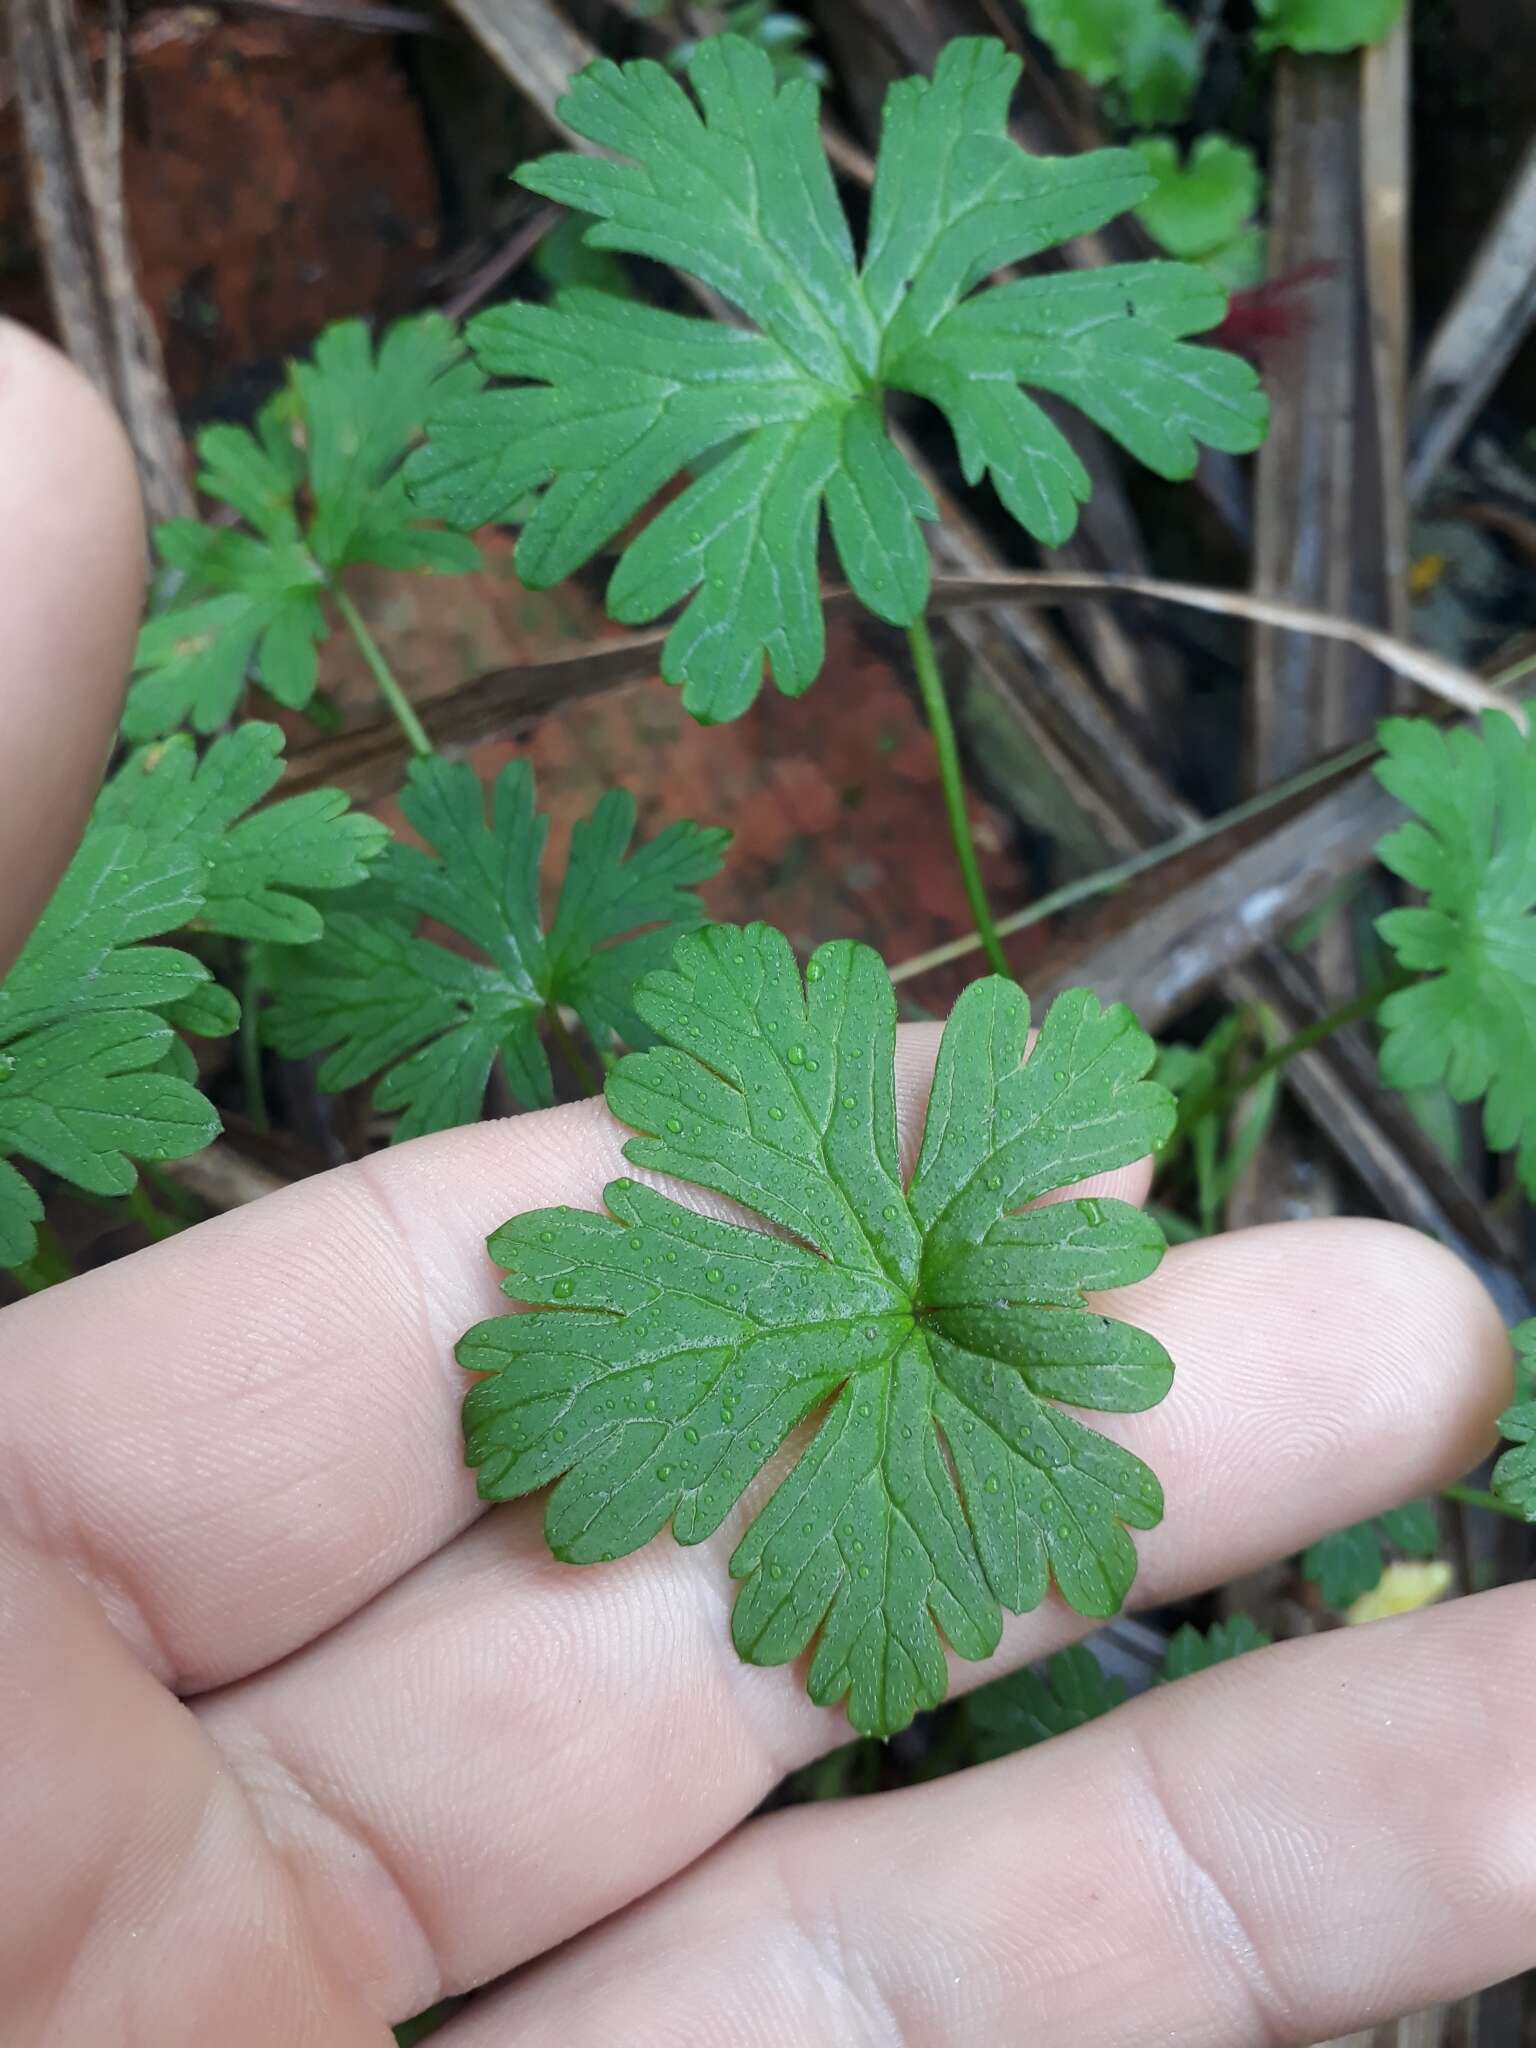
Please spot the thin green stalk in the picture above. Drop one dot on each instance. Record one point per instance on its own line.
(390, 690)
(250, 1042)
(931, 684)
(1216, 1101)
(1105, 881)
(570, 1051)
(48, 1266)
(153, 1219)
(1475, 1497)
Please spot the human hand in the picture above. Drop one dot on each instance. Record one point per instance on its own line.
(295, 1739)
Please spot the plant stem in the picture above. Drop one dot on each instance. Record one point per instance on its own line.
(1475, 1497)
(1105, 881)
(1217, 1100)
(570, 1051)
(48, 1266)
(390, 690)
(250, 1043)
(931, 684)
(152, 1218)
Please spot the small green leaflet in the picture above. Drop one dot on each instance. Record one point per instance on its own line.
(613, 400)
(317, 485)
(781, 36)
(1350, 1562)
(81, 1045)
(1146, 52)
(1472, 1023)
(1326, 27)
(1191, 1650)
(938, 1335)
(1027, 1707)
(1514, 1476)
(262, 865)
(379, 999)
(1202, 203)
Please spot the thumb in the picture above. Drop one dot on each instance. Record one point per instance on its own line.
(71, 588)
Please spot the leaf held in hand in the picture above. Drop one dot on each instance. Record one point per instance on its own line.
(612, 401)
(936, 1331)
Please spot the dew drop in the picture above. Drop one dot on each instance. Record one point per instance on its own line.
(674, 1124)
(807, 1528)
(558, 1435)
(858, 1548)
(714, 1276)
(994, 1484)
(563, 1289)
(776, 1114)
(890, 1212)
(546, 1237)
(813, 971)
(906, 1429)
(863, 1571)
(1061, 1076)
(756, 1446)
(663, 1473)
(775, 1571)
(1089, 1210)
(850, 1102)
(871, 1334)
(994, 1181)
(691, 1435)
(651, 1405)
(795, 1054)
(865, 1409)
(623, 1183)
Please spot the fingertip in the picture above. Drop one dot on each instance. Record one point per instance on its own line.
(72, 567)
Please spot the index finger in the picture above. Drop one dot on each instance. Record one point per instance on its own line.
(72, 573)
(242, 1435)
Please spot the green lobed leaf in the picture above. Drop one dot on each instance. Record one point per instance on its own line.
(428, 1022)
(1191, 1650)
(1350, 1562)
(1471, 1024)
(317, 482)
(1089, 37)
(1146, 51)
(1326, 27)
(82, 1087)
(1514, 1476)
(938, 1335)
(608, 402)
(1027, 1707)
(1160, 69)
(1202, 203)
(262, 864)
